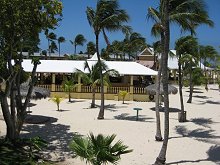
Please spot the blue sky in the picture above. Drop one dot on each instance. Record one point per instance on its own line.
(75, 22)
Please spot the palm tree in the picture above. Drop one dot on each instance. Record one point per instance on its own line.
(99, 149)
(90, 48)
(57, 100)
(123, 94)
(60, 40)
(207, 52)
(184, 13)
(183, 46)
(79, 40)
(50, 37)
(93, 78)
(107, 16)
(68, 86)
(53, 47)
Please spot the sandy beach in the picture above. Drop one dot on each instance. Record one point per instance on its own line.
(194, 142)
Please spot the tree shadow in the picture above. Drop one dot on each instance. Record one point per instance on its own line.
(209, 102)
(57, 136)
(113, 107)
(75, 101)
(39, 119)
(196, 91)
(125, 116)
(203, 122)
(161, 109)
(213, 156)
(202, 97)
(206, 136)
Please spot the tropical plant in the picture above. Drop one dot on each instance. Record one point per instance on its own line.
(60, 40)
(123, 94)
(53, 47)
(78, 40)
(50, 37)
(99, 149)
(68, 86)
(207, 53)
(107, 16)
(57, 100)
(90, 49)
(184, 45)
(186, 14)
(93, 77)
(37, 16)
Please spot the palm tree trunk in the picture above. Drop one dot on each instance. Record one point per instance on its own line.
(93, 98)
(206, 79)
(101, 112)
(161, 159)
(75, 49)
(158, 136)
(69, 96)
(190, 86)
(182, 118)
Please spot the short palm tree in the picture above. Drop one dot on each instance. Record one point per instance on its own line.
(107, 16)
(57, 100)
(123, 95)
(79, 40)
(93, 77)
(68, 86)
(99, 149)
(60, 40)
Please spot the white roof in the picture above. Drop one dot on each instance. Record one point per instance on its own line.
(69, 66)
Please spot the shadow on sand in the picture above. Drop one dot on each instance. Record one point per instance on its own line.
(203, 122)
(202, 97)
(57, 136)
(209, 102)
(141, 118)
(113, 107)
(203, 135)
(170, 109)
(213, 156)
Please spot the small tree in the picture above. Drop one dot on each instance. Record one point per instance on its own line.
(56, 99)
(123, 94)
(68, 86)
(99, 149)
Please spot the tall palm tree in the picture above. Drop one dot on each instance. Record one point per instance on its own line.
(50, 37)
(107, 16)
(184, 13)
(93, 77)
(53, 47)
(60, 40)
(183, 46)
(79, 40)
(207, 53)
(90, 48)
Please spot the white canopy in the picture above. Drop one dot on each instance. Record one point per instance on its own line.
(69, 66)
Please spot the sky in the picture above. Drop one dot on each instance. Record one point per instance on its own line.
(75, 22)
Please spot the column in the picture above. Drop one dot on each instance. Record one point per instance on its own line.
(131, 88)
(53, 85)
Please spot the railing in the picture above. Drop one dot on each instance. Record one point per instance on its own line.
(139, 90)
(88, 89)
(45, 86)
(115, 90)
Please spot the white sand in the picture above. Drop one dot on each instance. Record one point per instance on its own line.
(194, 142)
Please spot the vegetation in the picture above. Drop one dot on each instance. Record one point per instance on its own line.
(37, 16)
(107, 16)
(68, 86)
(23, 151)
(60, 40)
(93, 77)
(123, 94)
(99, 149)
(57, 100)
(90, 48)
(79, 40)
